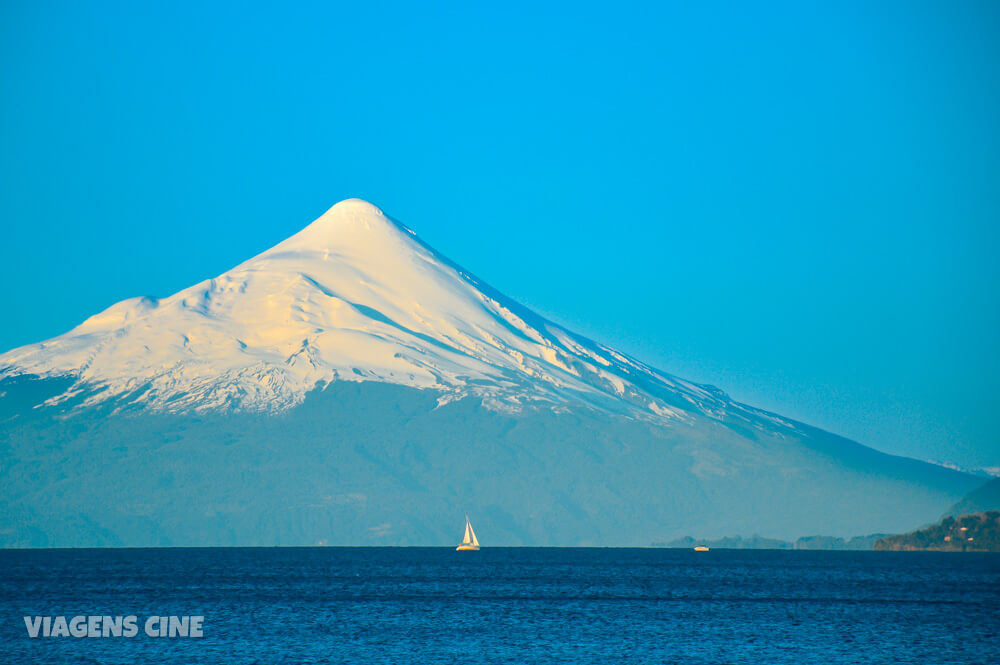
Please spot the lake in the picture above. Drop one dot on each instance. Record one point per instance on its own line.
(509, 605)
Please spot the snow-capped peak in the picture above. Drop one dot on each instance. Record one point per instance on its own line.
(354, 296)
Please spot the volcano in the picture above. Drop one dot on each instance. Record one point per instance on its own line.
(352, 386)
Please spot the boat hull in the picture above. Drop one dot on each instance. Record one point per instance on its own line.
(467, 548)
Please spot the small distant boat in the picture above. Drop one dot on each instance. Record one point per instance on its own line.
(700, 548)
(469, 540)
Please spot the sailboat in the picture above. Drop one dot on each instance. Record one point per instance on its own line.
(469, 541)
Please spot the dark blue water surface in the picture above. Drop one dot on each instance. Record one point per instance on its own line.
(431, 605)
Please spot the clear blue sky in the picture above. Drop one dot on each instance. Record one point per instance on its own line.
(797, 202)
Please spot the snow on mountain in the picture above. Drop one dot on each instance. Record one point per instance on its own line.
(354, 296)
(195, 420)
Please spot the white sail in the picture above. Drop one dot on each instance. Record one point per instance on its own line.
(469, 540)
(470, 532)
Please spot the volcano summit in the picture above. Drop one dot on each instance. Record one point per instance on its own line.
(354, 296)
(352, 386)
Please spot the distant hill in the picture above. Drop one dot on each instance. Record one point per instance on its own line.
(756, 542)
(978, 532)
(980, 500)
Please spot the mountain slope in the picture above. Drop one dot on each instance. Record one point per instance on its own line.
(353, 296)
(983, 499)
(352, 386)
